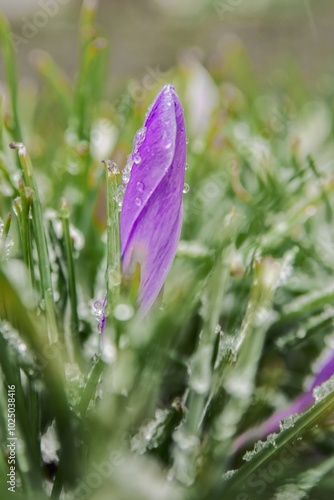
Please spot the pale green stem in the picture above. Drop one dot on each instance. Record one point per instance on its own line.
(41, 244)
(72, 289)
(307, 421)
(239, 379)
(113, 240)
(185, 458)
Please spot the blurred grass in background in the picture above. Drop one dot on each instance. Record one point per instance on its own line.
(248, 304)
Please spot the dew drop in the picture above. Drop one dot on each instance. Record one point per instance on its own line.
(97, 307)
(288, 421)
(258, 446)
(228, 474)
(140, 186)
(187, 442)
(166, 140)
(114, 277)
(187, 166)
(271, 438)
(17, 207)
(127, 172)
(125, 177)
(248, 456)
(138, 202)
(323, 390)
(77, 238)
(109, 351)
(187, 141)
(136, 158)
(186, 188)
(112, 167)
(123, 312)
(199, 373)
(139, 138)
(118, 194)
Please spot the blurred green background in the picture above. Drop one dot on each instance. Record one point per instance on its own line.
(154, 32)
(254, 193)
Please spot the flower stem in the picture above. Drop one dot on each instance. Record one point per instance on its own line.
(22, 207)
(7, 224)
(307, 421)
(64, 215)
(113, 277)
(185, 458)
(41, 244)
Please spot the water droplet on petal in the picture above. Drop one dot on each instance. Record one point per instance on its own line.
(187, 166)
(140, 186)
(125, 177)
(126, 174)
(166, 140)
(186, 188)
(138, 202)
(187, 141)
(136, 158)
(97, 307)
(139, 138)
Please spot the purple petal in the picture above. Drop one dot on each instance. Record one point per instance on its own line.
(151, 214)
(300, 404)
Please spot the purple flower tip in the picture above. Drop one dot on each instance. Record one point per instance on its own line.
(299, 405)
(151, 214)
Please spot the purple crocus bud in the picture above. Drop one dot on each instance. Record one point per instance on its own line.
(151, 216)
(299, 405)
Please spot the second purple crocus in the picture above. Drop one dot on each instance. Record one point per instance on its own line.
(151, 215)
(299, 405)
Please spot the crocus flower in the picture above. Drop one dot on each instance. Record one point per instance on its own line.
(151, 215)
(299, 405)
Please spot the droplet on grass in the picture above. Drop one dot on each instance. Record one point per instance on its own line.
(323, 390)
(258, 446)
(288, 421)
(123, 312)
(228, 474)
(112, 167)
(200, 371)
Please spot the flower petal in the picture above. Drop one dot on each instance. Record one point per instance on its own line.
(299, 405)
(151, 214)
